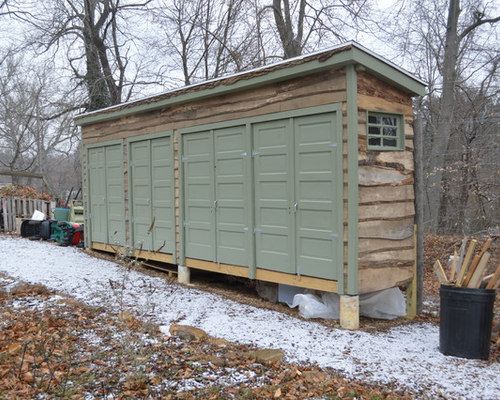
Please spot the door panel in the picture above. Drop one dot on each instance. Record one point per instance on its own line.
(199, 216)
(162, 195)
(107, 209)
(273, 188)
(318, 194)
(140, 179)
(115, 195)
(231, 192)
(97, 194)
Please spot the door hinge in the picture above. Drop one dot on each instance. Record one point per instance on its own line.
(185, 223)
(257, 230)
(334, 235)
(184, 159)
(245, 229)
(333, 145)
(244, 154)
(255, 153)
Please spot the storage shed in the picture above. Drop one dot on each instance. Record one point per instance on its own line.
(298, 173)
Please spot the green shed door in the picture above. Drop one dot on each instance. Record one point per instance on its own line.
(199, 201)
(273, 168)
(107, 215)
(115, 195)
(140, 179)
(232, 225)
(97, 194)
(318, 195)
(151, 172)
(162, 194)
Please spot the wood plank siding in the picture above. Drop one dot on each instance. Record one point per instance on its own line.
(386, 198)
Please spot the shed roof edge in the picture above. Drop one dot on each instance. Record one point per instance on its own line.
(340, 55)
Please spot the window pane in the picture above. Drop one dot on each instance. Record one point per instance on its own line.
(390, 142)
(390, 132)
(389, 121)
(385, 131)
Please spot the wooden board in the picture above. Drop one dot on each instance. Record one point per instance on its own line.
(377, 194)
(385, 211)
(373, 279)
(439, 273)
(475, 281)
(308, 91)
(265, 275)
(393, 230)
(465, 264)
(472, 269)
(402, 256)
(367, 246)
(494, 279)
(375, 175)
(453, 266)
(400, 160)
(147, 255)
(371, 86)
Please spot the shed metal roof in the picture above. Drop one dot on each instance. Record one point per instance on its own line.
(343, 54)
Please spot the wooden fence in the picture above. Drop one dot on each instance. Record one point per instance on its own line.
(14, 209)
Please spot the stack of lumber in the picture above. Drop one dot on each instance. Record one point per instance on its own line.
(467, 269)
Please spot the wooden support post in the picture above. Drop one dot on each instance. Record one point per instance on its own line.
(184, 274)
(412, 288)
(349, 312)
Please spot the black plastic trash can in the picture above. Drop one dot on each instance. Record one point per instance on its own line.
(466, 316)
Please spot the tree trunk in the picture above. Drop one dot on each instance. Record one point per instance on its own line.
(292, 44)
(418, 141)
(97, 89)
(446, 108)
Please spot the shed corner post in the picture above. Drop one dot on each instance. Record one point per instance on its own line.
(349, 295)
(84, 162)
(183, 272)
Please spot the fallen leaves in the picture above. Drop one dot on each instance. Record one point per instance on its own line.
(65, 349)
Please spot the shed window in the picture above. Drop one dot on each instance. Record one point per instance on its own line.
(385, 131)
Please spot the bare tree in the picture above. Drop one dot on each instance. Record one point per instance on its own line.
(93, 34)
(451, 46)
(303, 22)
(18, 101)
(205, 38)
(32, 128)
(449, 69)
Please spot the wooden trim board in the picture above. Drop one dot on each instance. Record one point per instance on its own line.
(148, 255)
(307, 282)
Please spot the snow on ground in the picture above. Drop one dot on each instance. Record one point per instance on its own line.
(406, 356)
